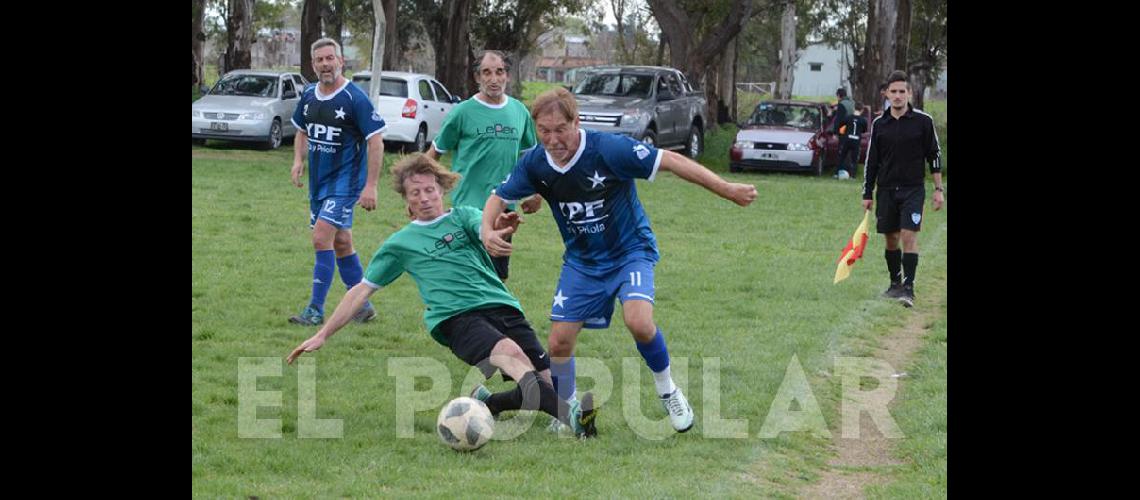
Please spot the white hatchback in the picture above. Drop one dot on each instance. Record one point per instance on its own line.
(413, 106)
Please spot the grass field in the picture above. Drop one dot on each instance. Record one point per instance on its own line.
(747, 289)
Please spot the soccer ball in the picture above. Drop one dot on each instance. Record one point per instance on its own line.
(465, 424)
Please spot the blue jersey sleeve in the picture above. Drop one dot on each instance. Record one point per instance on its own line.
(299, 114)
(518, 184)
(367, 119)
(627, 158)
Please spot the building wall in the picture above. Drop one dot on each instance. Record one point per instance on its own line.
(831, 75)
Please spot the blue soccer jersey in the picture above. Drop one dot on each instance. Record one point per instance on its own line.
(593, 198)
(338, 127)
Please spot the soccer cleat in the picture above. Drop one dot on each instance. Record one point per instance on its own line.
(309, 317)
(481, 392)
(906, 296)
(365, 314)
(894, 291)
(680, 413)
(584, 417)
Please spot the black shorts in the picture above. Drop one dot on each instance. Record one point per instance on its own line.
(899, 208)
(473, 334)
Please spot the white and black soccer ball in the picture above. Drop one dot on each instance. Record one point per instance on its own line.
(465, 424)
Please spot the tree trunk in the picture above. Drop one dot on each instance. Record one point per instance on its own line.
(332, 20)
(787, 50)
(310, 32)
(618, 7)
(378, 42)
(902, 35)
(452, 55)
(239, 35)
(392, 56)
(879, 54)
(726, 77)
(196, 41)
(664, 39)
(694, 57)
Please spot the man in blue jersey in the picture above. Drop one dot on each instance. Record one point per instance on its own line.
(334, 121)
(588, 179)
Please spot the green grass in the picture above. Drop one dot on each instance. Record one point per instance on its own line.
(750, 286)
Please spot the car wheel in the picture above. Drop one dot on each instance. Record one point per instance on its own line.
(421, 140)
(817, 164)
(274, 139)
(696, 143)
(734, 169)
(650, 137)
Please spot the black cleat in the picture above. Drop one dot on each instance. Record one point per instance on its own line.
(907, 296)
(585, 422)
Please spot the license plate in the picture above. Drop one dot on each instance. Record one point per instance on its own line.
(769, 156)
(219, 126)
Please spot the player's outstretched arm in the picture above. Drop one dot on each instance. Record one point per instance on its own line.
(493, 239)
(352, 302)
(740, 194)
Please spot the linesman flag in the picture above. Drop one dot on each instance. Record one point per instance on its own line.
(854, 249)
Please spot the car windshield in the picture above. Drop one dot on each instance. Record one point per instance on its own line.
(393, 87)
(616, 84)
(247, 85)
(785, 115)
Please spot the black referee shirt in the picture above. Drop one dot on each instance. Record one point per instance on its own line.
(897, 150)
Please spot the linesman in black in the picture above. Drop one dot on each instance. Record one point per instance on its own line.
(902, 140)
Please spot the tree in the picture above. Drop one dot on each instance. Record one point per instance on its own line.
(197, 37)
(378, 43)
(788, 54)
(684, 20)
(513, 26)
(239, 35)
(928, 46)
(879, 57)
(310, 32)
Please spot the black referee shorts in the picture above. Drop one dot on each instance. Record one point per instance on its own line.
(899, 208)
(473, 334)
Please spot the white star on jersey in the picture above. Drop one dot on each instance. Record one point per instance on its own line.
(597, 179)
(340, 113)
(559, 299)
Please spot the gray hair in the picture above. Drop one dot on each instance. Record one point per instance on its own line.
(501, 55)
(325, 42)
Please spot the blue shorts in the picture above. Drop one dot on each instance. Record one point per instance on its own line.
(589, 297)
(334, 210)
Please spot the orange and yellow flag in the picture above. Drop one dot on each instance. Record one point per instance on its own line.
(854, 249)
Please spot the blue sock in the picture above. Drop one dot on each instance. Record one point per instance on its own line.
(350, 270)
(323, 270)
(655, 353)
(563, 376)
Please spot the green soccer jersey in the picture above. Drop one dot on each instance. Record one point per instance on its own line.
(486, 140)
(447, 260)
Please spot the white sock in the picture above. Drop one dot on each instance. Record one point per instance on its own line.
(664, 381)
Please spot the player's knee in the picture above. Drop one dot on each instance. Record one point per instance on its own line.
(642, 328)
(560, 346)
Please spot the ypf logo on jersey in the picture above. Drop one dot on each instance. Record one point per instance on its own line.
(641, 151)
(582, 218)
(916, 218)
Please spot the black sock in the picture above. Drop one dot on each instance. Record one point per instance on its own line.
(532, 393)
(894, 264)
(910, 265)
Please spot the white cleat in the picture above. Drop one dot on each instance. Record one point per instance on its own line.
(680, 413)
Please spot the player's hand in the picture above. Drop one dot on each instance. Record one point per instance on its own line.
(509, 219)
(938, 200)
(532, 205)
(368, 198)
(741, 194)
(297, 171)
(495, 242)
(866, 204)
(315, 342)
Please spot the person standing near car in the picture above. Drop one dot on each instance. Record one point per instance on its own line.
(335, 123)
(486, 133)
(902, 139)
(855, 126)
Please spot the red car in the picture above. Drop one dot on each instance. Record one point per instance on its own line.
(789, 136)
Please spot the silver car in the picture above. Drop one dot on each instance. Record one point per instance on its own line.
(248, 105)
